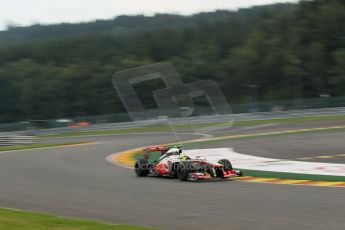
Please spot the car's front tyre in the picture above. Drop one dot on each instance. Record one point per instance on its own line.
(141, 168)
(226, 164)
(182, 171)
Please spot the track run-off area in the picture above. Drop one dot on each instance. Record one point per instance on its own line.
(77, 181)
(279, 171)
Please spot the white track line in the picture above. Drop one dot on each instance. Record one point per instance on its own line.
(52, 147)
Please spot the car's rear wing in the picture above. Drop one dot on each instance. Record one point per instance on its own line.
(155, 148)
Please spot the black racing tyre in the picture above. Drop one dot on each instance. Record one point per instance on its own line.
(173, 170)
(172, 175)
(182, 171)
(141, 168)
(226, 164)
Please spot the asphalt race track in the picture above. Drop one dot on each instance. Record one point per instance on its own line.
(79, 182)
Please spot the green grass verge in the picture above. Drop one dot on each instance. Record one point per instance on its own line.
(259, 135)
(20, 220)
(156, 128)
(153, 128)
(294, 176)
(35, 146)
(291, 120)
(164, 128)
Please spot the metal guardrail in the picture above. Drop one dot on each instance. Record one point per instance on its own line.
(200, 119)
(8, 140)
(243, 111)
(176, 121)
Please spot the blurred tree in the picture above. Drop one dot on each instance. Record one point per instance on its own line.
(288, 51)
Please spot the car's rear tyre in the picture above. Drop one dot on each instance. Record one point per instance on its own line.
(141, 168)
(182, 171)
(226, 164)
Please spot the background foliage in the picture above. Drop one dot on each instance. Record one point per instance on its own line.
(287, 51)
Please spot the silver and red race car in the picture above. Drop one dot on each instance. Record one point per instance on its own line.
(175, 164)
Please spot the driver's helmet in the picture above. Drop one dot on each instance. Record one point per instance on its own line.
(184, 157)
(174, 151)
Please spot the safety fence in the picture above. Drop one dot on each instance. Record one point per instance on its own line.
(201, 114)
(10, 140)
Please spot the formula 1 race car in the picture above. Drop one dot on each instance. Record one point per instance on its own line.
(175, 164)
